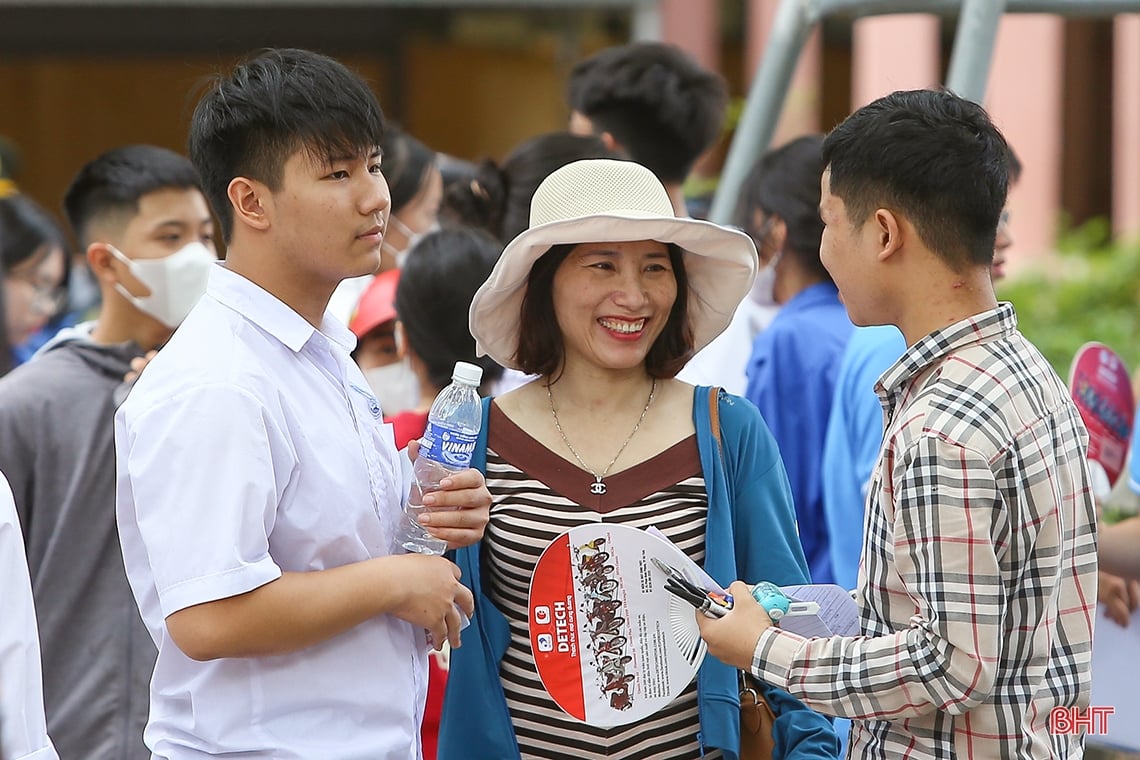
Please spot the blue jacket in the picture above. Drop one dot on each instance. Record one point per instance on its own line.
(791, 380)
(749, 499)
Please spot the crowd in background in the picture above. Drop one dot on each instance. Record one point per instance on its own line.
(86, 309)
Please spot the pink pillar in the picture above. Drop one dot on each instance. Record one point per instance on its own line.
(1126, 128)
(693, 26)
(1030, 45)
(899, 52)
(801, 110)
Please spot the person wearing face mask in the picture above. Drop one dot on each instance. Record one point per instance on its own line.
(377, 353)
(792, 369)
(146, 228)
(416, 185)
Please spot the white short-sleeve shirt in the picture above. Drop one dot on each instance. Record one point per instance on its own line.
(23, 730)
(252, 446)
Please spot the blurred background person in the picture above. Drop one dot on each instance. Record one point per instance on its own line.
(496, 197)
(652, 102)
(377, 354)
(433, 296)
(140, 217)
(33, 252)
(795, 360)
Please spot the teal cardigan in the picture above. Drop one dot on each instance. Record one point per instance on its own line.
(750, 534)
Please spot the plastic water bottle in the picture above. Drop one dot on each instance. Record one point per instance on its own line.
(445, 448)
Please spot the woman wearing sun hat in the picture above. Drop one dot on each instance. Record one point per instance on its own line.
(604, 298)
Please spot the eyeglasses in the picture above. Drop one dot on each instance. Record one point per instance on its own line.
(50, 298)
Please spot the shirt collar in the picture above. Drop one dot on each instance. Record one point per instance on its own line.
(812, 295)
(989, 325)
(271, 314)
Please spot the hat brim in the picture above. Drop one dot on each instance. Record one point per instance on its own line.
(720, 264)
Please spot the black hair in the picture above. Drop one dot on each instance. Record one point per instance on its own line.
(5, 346)
(1013, 164)
(406, 165)
(540, 347)
(497, 197)
(932, 156)
(25, 227)
(785, 182)
(655, 100)
(272, 106)
(434, 293)
(112, 184)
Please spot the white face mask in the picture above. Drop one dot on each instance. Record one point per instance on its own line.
(764, 286)
(411, 236)
(176, 282)
(395, 386)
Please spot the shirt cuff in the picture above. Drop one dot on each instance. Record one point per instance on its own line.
(775, 652)
(44, 753)
(222, 585)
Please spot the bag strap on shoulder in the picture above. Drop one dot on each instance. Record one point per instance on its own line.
(714, 416)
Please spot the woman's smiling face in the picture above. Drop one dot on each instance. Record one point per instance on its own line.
(612, 300)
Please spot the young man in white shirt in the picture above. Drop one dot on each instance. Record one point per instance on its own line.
(258, 489)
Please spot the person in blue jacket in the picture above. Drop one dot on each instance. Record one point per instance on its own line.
(606, 434)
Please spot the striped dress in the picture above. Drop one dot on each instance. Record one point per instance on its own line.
(538, 495)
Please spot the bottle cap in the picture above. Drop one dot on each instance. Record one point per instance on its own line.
(468, 374)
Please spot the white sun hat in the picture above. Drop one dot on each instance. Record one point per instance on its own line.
(608, 201)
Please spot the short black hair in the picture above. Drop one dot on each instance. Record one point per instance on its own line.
(663, 107)
(541, 349)
(25, 227)
(434, 293)
(785, 182)
(113, 183)
(932, 156)
(497, 197)
(272, 106)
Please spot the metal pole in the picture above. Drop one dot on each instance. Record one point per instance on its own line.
(790, 31)
(974, 48)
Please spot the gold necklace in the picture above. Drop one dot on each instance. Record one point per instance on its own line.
(598, 487)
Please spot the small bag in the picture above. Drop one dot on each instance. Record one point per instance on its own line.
(756, 721)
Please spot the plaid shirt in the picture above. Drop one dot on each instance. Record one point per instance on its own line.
(977, 587)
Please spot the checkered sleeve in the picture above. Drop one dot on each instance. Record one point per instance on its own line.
(944, 540)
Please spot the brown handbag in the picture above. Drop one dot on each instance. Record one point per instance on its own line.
(756, 721)
(756, 717)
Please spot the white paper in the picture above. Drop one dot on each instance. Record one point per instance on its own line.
(838, 614)
(1114, 680)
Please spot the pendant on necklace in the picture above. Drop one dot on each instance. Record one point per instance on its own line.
(598, 487)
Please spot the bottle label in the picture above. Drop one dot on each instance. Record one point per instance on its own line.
(448, 446)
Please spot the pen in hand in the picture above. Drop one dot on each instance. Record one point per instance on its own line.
(701, 602)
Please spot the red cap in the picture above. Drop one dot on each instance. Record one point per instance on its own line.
(377, 303)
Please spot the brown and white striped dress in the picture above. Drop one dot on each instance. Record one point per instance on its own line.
(536, 496)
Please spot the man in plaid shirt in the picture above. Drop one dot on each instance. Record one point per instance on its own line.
(977, 585)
